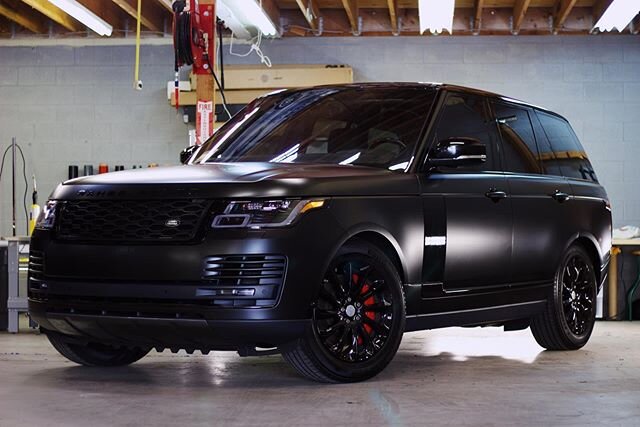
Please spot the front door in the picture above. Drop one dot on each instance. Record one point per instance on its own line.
(477, 207)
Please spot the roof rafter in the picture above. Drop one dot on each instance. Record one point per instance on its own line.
(393, 15)
(351, 8)
(54, 13)
(309, 9)
(148, 18)
(477, 16)
(563, 9)
(272, 10)
(28, 22)
(519, 11)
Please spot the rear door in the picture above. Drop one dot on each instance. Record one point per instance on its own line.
(540, 199)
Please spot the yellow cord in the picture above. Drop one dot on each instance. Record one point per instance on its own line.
(136, 79)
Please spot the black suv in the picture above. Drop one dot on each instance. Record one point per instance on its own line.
(323, 224)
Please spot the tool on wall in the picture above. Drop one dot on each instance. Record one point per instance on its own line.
(137, 83)
(15, 149)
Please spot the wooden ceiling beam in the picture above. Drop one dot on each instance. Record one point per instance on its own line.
(29, 22)
(149, 17)
(477, 16)
(351, 8)
(563, 9)
(54, 13)
(519, 12)
(393, 15)
(310, 11)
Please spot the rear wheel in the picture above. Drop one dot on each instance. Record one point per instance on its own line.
(568, 321)
(358, 319)
(95, 354)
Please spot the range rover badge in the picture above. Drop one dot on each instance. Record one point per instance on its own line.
(172, 223)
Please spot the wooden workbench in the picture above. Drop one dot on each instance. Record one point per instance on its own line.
(613, 274)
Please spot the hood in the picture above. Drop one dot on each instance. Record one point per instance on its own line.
(240, 180)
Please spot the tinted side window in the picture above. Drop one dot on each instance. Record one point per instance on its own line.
(567, 155)
(518, 141)
(466, 116)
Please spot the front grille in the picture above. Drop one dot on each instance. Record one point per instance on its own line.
(244, 280)
(131, 220)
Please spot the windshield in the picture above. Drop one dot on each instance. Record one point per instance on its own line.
(349, 126)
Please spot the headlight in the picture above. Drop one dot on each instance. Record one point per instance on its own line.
(264, 213)
(47, 217)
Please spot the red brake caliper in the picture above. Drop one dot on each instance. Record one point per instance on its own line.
(369, 301)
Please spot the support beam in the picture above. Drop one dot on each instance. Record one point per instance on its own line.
(149, 19)
(599, 8)
(310, 11)
(55, 14)
(351, 8)
(22, 19)
(477, 16)
(563, 9)
(393, 15)
(519, 12)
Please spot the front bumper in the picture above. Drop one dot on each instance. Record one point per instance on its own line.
(157, 295)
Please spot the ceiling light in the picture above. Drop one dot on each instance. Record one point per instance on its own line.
(84, 15)
(619, 14)
(436, 15)
(245, 18)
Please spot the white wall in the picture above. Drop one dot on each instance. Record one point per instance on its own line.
(77, 106)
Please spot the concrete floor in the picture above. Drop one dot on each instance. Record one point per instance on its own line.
(450, 376)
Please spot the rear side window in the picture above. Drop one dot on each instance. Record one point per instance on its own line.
(518, 140)
(563, 153)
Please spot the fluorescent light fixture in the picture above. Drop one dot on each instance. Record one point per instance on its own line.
(84, 15)
(619, 14)
(436, 15)
(245, 18)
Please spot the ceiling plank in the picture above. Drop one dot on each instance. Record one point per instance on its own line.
(310, 11)
(351, 7)
(563, 9)
(477, 16)
(599, 8)
(54, 13)
(519, 12)
(146, 18)
(28, 22)
(393, 15)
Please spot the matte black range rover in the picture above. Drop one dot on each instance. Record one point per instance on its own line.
(323, 224)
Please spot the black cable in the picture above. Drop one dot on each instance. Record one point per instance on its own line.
(221, 52)
(220, 88)
(26, 186)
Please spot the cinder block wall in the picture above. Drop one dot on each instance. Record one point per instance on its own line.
(76, 105)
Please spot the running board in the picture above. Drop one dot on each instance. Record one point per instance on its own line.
(478, 316)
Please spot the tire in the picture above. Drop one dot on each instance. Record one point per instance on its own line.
(358, 319)
(95, 354)
(568, 320)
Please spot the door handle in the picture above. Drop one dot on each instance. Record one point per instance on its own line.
(496, 195)
(560, 196)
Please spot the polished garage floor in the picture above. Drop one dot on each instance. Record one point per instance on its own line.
(451, 376)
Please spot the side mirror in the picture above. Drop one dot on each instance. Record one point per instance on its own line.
(458, 151)
(185, 154)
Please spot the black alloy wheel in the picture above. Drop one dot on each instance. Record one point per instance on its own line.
(568, 321)
(353, 315)
(357, 320)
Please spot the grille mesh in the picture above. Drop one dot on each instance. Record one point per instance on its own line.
(129, 220)
(36, 265)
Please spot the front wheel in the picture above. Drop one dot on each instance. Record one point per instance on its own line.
(358, 319)
(568, 321)
(95, 354)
